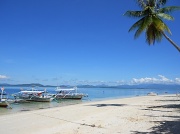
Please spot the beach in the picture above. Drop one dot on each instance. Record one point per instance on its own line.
(138, 115)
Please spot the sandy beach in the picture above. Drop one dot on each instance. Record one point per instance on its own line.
(138, 115)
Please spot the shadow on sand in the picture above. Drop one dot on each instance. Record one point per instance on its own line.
(166, 127)
(105, 105)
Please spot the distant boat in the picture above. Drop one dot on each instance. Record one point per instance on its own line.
(68, 93)
(33, 95)
(3, 98)
(152, 94)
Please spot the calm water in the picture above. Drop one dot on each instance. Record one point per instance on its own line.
(94, 94)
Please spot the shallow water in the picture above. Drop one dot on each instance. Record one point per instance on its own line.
(94, 94)
(29, 106)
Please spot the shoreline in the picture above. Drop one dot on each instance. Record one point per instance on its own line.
(139, 114)
(62, 103)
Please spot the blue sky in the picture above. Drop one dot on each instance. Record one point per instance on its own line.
(81, 42)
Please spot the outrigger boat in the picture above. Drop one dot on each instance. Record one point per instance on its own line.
(33, 95)
(3, 98)
(68, 93)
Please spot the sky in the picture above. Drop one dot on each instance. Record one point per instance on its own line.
(72, 42)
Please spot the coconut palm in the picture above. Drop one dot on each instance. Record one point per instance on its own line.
(151, 20)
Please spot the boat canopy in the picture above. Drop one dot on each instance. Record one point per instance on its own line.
(65, 89)
(31, 92)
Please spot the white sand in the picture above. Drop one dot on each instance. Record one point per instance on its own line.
(120, 116)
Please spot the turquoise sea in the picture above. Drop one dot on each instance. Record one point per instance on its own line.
(94, 94)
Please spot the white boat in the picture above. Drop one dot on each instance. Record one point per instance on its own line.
(152, 94)
(33, 95)
(3, 98)
(68, 93)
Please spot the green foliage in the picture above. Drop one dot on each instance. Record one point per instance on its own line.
(151, 17)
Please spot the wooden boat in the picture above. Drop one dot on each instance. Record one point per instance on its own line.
(33, 95)
(68, 93)
(3, 98)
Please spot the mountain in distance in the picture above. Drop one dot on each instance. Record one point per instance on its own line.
(140, 86)
(22, 85)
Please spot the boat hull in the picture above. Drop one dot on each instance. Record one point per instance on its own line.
(36, 99)
(41, 99)
(76, 97)
(3, 104)
(152, 94)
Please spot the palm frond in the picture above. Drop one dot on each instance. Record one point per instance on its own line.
(151, 22)
(161, 3)
(145, 23)
(160, 25)
(151, 3)
(166, 28)
(136, 25)
(158, 36)
(150, 36)
(136, 14)
(142, 3)
(168, 9)
(165, 16)
(153, 34)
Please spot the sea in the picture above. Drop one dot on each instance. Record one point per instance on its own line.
(94, 94)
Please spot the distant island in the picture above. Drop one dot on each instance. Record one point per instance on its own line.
(138, 86)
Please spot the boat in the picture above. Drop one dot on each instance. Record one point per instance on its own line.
(3, 98)
(32, 95)
(152, 94)
(68, 93)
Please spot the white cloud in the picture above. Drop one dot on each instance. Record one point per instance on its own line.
(164, 79)
(177, 80)
(144, 80)
(160, 79)
(148, 80)
(2, 77)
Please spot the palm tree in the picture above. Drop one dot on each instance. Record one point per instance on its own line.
(151, 22)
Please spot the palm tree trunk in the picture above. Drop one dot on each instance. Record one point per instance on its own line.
(174, 44)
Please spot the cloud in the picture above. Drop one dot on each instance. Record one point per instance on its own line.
(3, 77)
(164, 79)
(177, 80)
(160, 80)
